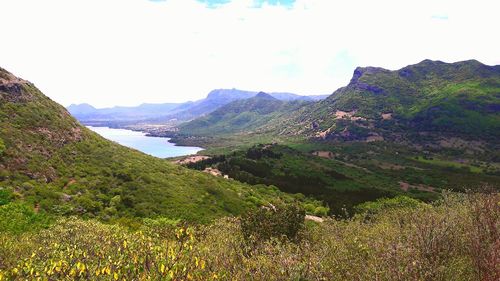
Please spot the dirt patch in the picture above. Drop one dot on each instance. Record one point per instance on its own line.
(213, 172)
(389, 166)
(72, 181)
(386, 116)
(357, 118)
(406, 186)
(313, 218)
(324, 154)
(374, 137)
(344, 114)
(323, 134)
(192, 159)
(339, 114)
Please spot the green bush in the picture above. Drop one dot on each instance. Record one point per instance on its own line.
(276, 220)
(384, 204)
(2, 146)
(18, 218)
(5, 196)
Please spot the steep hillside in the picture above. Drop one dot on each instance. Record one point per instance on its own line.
(431, 98)
(52, 162)
(240, 115)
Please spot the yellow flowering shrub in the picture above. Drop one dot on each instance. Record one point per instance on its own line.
(456, 239)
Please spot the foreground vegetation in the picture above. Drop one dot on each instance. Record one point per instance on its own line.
(457, 238)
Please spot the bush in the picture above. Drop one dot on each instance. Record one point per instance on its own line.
(5, 196)
(455, 239)
(484, 243)
(277, 220)
(2, 146)
(385, 204)
(18, 218)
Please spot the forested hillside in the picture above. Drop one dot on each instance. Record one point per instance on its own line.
(54, 164)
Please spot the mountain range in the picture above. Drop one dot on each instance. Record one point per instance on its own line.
(165, 112)
(428, 100)
(242, 115)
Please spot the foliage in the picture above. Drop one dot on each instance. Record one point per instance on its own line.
(337, 182)
(83, 250)
(276, 220)
(455, 239)
(2, 146)
(19, 218)
(5, 196)
(386, 204)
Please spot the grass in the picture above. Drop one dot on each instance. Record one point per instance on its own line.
(452, 164)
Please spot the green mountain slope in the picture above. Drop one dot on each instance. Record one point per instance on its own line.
(429, 98)
(420, 129)
(241, 115)
(52, 162)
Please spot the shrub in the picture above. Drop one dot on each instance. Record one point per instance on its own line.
(2, 146)
(385, 204)
(455, 239)
(5, 196)
(18, 218)
(484, 244)
(277, 220)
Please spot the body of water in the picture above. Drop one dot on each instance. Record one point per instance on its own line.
(158, 147)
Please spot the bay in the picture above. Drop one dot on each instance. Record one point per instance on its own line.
(158, 147)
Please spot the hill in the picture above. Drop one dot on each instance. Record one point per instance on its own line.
(51, 162)
(221, 97)
(240, 115)
(428, 100)
(425, 127)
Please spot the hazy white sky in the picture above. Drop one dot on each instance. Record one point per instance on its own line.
(125, 52)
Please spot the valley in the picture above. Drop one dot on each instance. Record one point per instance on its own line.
(387, 133)
(393, 156)
(249, 140)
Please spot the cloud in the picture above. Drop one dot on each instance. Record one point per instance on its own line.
(128, 52)
(439, 17)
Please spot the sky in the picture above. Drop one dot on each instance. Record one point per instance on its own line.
(127, 52)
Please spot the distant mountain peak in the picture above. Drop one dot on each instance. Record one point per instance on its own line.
(370, 70)
(81, 105)
(262, 95)
(228, 93)
(435, 63)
